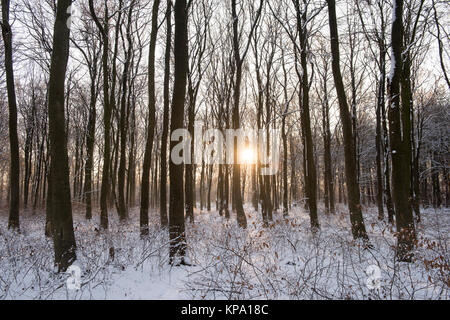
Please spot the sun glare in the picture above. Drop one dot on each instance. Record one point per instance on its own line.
(248, 156)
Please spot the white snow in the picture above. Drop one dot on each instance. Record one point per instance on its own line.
(284, 261)
(393, 61)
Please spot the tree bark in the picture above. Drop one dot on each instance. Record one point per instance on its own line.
(310, 173)
(400, 170)
(176, 204)
(378, 138)
(165, 130)
(14, 176)
(237, 197)
(63, 234)
(104, 192)
(356, 218)
(124, 116)
(145, 185)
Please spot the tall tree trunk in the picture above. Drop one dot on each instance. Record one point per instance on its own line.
(28, 150)
(436, 186)
(227, 192)
(113, 106)
(237, 197)
(63, 234)
(124, 115)
(285, 169)
(387, 168)
(105, 187)
(378, 139)
(328, 171)
(310, 174)
(90, 143)
(48, 209)
(189, 171)
(383, 142)
(202, 186)
(406, 118)
(356, 218)
(210, 174)
(415, 173)
(145, 185)
(255, 187)
(400, 169)
(131, 183)
(176, 204)
(294, 186)
(262, 195)
(14, 173)
(165, 130)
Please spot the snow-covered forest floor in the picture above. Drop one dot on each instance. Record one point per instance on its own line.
(284, 261)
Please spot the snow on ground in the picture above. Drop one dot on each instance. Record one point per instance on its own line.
(284, 261)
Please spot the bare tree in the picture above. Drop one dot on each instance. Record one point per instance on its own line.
(400, 169)
(357, 220)
(61, 206)
(151, 121)
(176, 204)
(14, 176)
(239, 59)
(104, 32)
(91, 50)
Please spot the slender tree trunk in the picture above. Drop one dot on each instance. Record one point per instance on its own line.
(227, 192)
(113, 106)
(14, 173)
(189, 171)
(105, 187)
(416, 172)
(145, 185)
(294, 186)
(221, 190)
(328, 175)
(202, 186)
(436, 186)
(415, 176)
(165, 130)
(90, 143)
(131, 189)
(29, 149)
(237, 197)
(124, 116)
(356, 218)
(387, 169)
(329, 166)
(262, 195)
(285, 169)
(407, 124)
(310, 174)
(210, 174)
(378, 138)
(2, 181)
(255, 187)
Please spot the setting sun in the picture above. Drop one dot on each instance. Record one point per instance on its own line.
(248, 156)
